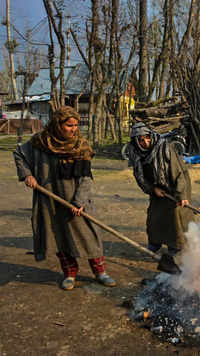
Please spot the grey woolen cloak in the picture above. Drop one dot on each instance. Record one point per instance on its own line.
(163, 167)
(74, 235)
(166, 221)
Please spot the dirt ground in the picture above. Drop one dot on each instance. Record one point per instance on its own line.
(36, 316)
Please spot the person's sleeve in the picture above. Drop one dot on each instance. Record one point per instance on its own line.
(23, 160)
(83, 196)
(180, 175)
(146, 187)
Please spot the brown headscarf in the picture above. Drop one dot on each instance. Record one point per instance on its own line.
(51, 139)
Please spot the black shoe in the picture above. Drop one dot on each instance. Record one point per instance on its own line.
(154, 247)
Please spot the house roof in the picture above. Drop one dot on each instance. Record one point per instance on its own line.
(42, 84)
(76, 81)
(76, 78)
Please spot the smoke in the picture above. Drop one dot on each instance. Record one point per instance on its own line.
(189, 279)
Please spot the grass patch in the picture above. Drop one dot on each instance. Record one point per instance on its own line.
(13, 139)
(109, 150)
(9, 143)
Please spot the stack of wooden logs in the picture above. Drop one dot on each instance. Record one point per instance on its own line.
(181, 112)
(184, 117)
(163, 118)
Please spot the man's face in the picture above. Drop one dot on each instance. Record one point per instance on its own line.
(144, 141)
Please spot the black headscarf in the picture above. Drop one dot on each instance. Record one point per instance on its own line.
(140, 129)
(158, 155)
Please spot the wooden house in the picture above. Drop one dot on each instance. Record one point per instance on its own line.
(11, 119)
(76, 90)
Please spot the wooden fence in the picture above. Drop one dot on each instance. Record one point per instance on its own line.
(11, 126)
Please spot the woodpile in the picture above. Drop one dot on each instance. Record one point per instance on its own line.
(188, 78)
(181, 113)
(170, 117)
(163, 118)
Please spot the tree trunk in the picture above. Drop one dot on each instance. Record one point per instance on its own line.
(168, 10)
(196, 34)
(58, 30)
(143, 61)
(185, 43)
(162, 58)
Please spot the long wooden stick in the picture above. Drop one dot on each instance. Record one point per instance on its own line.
(191, 207)
(99, 223)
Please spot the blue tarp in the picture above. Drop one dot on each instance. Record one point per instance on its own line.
(192, 159)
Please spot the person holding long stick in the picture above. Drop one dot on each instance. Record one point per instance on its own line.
(59, 159)
(160, 171)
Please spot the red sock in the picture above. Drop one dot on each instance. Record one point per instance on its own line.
(97, 265)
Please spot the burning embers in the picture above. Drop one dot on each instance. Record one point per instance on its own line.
(168, 312)
(169, 305)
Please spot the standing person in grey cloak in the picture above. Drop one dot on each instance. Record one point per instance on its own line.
(159, 169)
(59, 159)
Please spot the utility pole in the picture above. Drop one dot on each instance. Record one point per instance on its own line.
(25, 86)
(10, 45)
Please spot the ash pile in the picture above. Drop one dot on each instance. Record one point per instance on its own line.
(169, 305)
(169, 313)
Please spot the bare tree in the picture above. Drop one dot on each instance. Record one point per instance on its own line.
(55, 20)
(106, 31)
(143, 59)
(188, 82)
